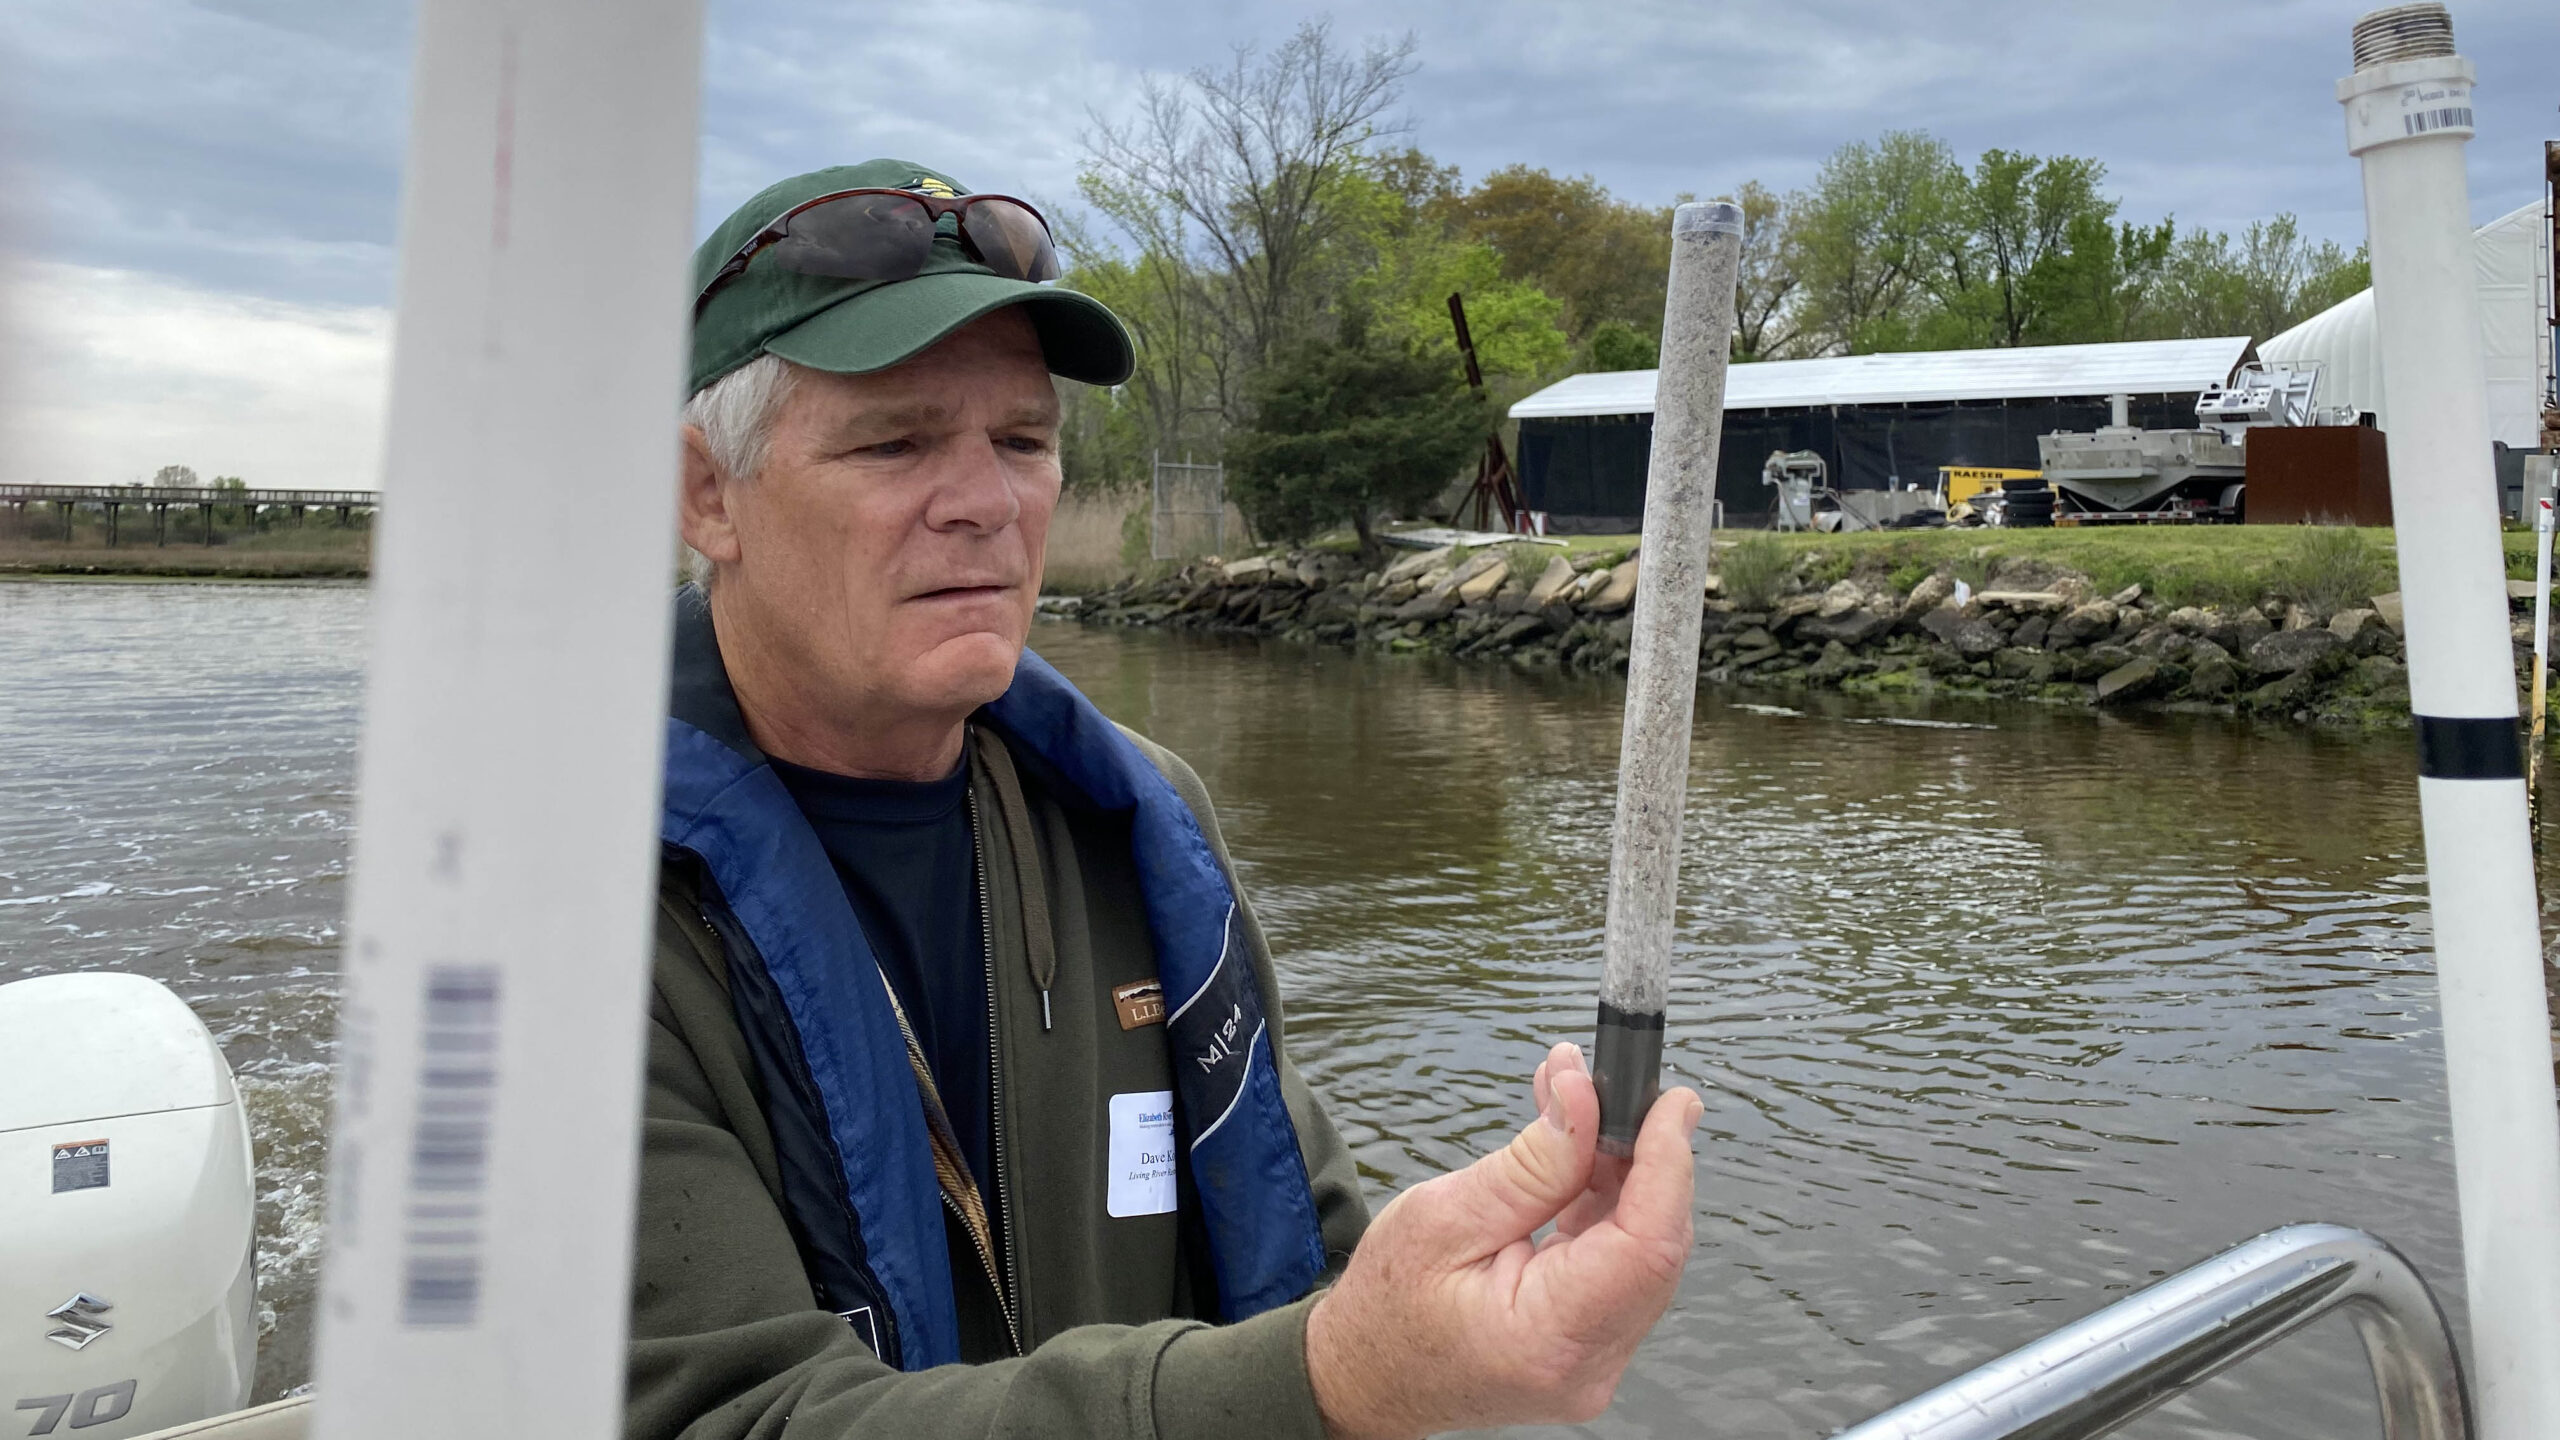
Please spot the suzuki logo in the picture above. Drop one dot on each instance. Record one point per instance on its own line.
(79, 1322)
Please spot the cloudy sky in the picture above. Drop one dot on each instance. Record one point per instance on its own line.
(203, 193)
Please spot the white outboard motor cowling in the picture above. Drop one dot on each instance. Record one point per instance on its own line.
(128, 1213)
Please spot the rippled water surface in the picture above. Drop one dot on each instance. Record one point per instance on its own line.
(1999, 1013)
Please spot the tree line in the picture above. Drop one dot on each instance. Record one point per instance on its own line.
(1284, 257)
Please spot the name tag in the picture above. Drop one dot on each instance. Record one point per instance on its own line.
(1141, 1156)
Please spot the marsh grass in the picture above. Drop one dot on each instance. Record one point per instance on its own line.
(2331, 567)
(1754, 568)
(1090, 540)
(318, 548)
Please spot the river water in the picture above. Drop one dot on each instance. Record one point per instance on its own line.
(1999, 1012)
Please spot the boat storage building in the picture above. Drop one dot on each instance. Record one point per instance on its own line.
(2510, 260)
(1878, 421)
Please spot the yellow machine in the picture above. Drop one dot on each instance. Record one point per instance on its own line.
(1960, 483)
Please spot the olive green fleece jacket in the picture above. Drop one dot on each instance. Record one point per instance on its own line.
(726, 1337)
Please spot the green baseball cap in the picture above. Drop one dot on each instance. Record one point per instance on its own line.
(853, 327)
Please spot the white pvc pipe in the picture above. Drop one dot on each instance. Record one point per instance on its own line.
(481, 1174)
(2408, 110)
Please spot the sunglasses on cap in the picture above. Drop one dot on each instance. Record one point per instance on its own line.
(876, 234)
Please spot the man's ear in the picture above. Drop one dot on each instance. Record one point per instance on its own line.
(702, 503)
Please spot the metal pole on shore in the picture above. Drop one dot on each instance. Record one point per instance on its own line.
(2541, 667)
(2408, 114)
(1662, 666)
(485, 1145)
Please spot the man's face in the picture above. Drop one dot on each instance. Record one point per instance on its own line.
(886, 562)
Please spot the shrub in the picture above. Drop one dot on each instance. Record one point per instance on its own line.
(1753, 567)
(1617, 345)
(1353, 428)
(2331, 567)
(1975, 566)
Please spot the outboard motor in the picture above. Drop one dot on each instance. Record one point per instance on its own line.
(128, 1212)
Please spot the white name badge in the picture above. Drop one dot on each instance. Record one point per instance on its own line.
(1141, 1154)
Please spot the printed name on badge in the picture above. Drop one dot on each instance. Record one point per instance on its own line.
(1141, 1156)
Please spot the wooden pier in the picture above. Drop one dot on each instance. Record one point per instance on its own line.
(66, 501)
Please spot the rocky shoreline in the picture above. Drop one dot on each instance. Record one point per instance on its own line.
(2028, 630)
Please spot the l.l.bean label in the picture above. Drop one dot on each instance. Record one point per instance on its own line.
(1141, 1156)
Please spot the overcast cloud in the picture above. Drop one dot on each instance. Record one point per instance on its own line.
(206, 193)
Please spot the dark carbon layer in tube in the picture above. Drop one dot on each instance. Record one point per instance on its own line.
(1627, 1065)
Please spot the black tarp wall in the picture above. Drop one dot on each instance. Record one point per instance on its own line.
(1587, 472)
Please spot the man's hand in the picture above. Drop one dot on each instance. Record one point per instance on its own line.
(1450, 1317)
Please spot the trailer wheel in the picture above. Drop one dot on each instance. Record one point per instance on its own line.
(2234, 502)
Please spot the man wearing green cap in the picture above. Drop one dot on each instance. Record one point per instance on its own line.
(969, 1107)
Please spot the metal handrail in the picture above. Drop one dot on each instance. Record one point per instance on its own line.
(2092, 1376)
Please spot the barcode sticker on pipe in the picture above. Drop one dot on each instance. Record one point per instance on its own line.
(442, 1238)
(2451, 117)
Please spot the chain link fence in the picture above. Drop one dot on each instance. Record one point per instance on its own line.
(1190, 515)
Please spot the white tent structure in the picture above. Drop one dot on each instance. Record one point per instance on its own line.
(2512, 265)
(1920, 377)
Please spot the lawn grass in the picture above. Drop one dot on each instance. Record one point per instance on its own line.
(2183, 564)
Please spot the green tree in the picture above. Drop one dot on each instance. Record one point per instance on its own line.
(2001, 233)
(1240, 176)
(1351, 429)
(2285, 279)
(1865, 240)
(1103, 439)
(1172, 402)
(1602, 258)
(2101, 286)
(2271, 280)
(1620, 346)
(1404, 262)
(1768, 312)
(233, 487)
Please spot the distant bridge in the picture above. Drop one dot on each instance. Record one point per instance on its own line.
(160, 499)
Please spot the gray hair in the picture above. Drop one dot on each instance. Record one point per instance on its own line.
(736, 415)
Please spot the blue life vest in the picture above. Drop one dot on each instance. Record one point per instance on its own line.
(816, 1015)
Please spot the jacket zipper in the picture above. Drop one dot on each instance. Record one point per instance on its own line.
(1005, 1293)
(938, 1125)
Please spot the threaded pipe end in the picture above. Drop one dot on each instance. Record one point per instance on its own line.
(2403, 32)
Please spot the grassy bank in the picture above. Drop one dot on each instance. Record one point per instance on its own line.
(2183, 565)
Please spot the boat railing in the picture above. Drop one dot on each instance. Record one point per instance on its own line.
(2100, 1372)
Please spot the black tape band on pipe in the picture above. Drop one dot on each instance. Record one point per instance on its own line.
(1626, 1068)
(2452, 748)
